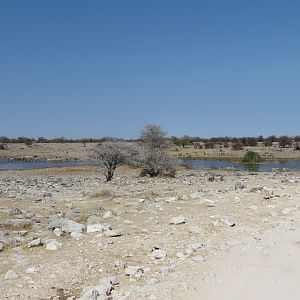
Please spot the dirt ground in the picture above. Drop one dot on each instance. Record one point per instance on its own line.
(79, 151)
(235, 232)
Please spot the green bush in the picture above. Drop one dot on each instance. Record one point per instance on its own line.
(252, 157)
(3, 146)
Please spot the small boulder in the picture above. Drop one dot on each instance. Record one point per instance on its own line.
(178, 220)
(113, 233)
(119, 264)
(108, 214)
(228, 222)
(15, 211)
(134, 271)
(35, 243)
(11, 275)
(99, 292)
(32, 270)
(167, 199)
(267, 192)
(53, 245)
(70, 226)
(96, 228)
(76, 235)
(239, 185)
(158, 254)
(57, 232)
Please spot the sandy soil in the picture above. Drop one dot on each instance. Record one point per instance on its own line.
(270, 272)
(238, 240)
(268, 153)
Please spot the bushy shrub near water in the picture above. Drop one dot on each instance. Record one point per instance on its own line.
(3, 146)
(252, 157)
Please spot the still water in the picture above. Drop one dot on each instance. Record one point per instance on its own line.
(194, 164)
(221, 164)
(41, 164)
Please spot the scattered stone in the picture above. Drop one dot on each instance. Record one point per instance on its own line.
(158, 254)
(22, 232)
(119, 264)
(53, 245)
(180, 256)
(96, 228)
(113, 280)
(70, 226)
(197, 246)
(35, 243)
(227, 222)
(113, 233)
(76, 235)
(255, 189)
(107, 215)
(237, 200)
(55, 220)
(134, 271)
(11, 275)
(99, 292)
(16, 211)
(58, 232)
(239, 185)
(211, 178)
(267, 192)
(207, 203)
(167, 199)
(178, 220)
(153, 207)
(188, 251)
(32, 270)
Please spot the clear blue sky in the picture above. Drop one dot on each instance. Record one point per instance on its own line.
(107, 68)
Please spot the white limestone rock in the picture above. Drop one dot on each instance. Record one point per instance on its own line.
(178, 220)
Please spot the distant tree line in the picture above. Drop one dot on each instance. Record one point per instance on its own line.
(198, 142)
(236, 142)
(30, 140)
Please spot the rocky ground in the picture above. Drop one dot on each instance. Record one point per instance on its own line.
(66, 234)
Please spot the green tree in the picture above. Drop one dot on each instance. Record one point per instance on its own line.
(185, 140)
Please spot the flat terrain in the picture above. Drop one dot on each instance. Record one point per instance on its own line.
(79, 151)
(235, 236)
(268, 153)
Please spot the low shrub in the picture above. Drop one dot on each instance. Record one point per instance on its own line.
(252, 157)
(3, 146)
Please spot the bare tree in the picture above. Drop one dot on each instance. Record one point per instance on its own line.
(111, 155)
(153, 153)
